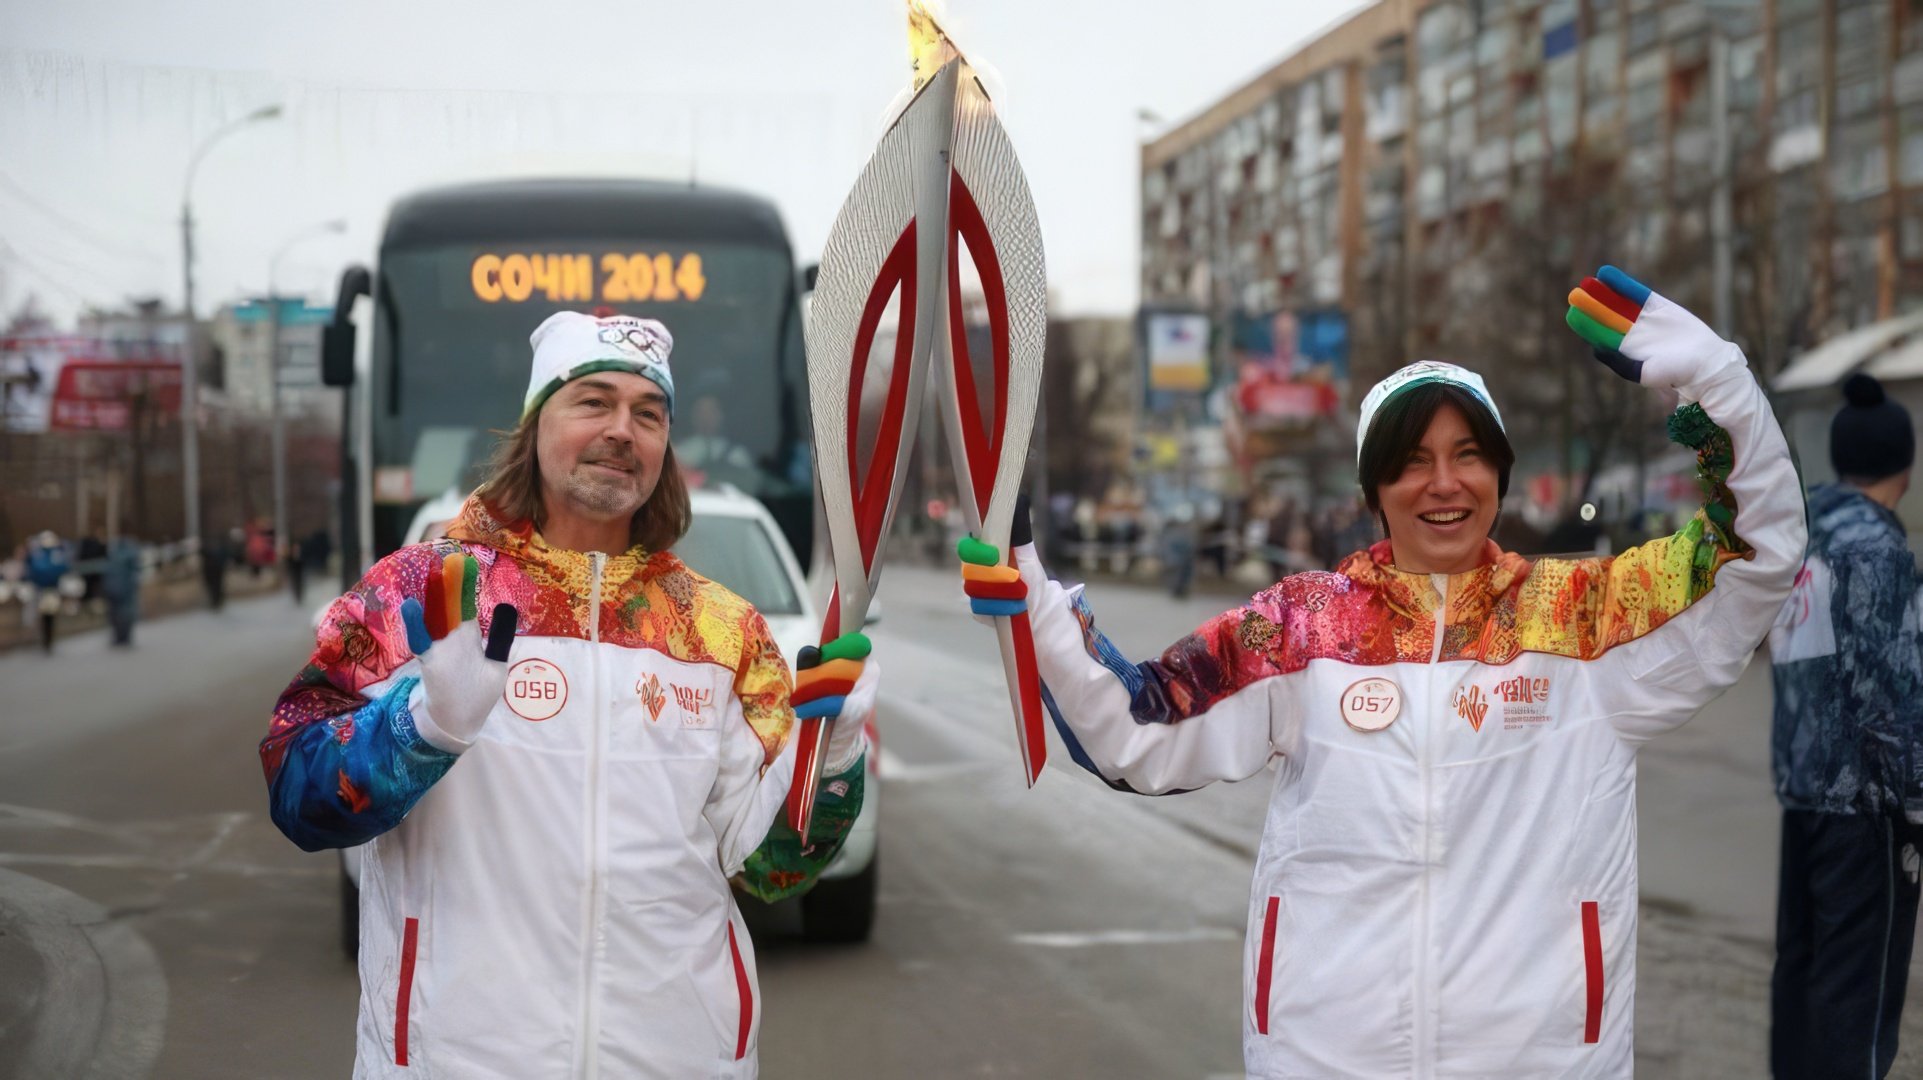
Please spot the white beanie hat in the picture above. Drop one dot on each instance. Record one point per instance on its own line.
(569, 345)
(1417, 374)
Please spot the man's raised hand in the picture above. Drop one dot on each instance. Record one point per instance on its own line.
(460, 678)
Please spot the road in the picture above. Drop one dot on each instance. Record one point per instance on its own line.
(153, 921)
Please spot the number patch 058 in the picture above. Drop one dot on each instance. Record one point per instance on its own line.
(536, 689)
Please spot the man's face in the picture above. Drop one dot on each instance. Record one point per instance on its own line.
(600, 444)
(1441, 508)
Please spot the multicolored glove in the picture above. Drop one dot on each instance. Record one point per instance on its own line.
(827, 681)
(1644, 337)
(460, 680)
(993, 589)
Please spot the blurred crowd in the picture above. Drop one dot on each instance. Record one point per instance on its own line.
(49, 579)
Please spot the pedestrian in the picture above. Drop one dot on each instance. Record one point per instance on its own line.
(296, 572)
(215, 554)
(317, 549)
(1178, 549)
(1446, 884)
(120, 586)
(91, 563)
(559, 901)
(1847, 752)
(48, 567)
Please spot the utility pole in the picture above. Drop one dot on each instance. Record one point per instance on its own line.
(189, 382)
(1722, 295)
(190, 370)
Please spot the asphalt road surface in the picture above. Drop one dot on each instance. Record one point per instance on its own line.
(153, 921)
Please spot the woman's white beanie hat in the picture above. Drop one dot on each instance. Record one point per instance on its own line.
(1417, 374)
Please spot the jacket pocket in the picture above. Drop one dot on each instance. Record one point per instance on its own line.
(404, 991)
(1592, 957)
(1265, 966)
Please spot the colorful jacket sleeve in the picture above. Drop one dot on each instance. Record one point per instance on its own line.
(343, 760)
(1199, 713)
(747, 808)
(1673, 622)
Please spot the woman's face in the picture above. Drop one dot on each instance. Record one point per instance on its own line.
(1441, 508)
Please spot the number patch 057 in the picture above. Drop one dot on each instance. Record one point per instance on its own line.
(1371, 704)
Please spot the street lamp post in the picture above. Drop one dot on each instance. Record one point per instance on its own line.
(190, 371)
(273, 368)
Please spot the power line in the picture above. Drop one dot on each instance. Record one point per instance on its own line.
(79, 231)
(13, 255)
(87, 273)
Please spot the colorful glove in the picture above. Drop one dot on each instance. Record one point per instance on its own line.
(993, 588)
(829, 681)
(1644, 337)
(460, 681)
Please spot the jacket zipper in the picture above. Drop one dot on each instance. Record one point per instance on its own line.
(1430, 726)
(590, 1055)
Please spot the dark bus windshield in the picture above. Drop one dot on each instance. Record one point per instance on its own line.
(451, 361)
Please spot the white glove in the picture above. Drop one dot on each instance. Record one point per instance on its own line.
(848, 740)
(1645, 337)
(460, 678)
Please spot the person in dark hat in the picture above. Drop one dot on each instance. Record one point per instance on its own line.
(1847, 750)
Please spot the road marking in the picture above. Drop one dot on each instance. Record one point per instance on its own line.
(1083, 940)
(103, 1009)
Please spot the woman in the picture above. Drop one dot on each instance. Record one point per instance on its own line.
(1447, 877)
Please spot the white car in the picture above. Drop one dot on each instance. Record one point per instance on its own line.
(735, 541)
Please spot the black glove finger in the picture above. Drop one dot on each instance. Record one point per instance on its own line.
(808, 657)
(500, 634)
(1620, 364)
(1020, 530)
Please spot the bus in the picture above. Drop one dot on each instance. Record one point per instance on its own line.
(466, 272)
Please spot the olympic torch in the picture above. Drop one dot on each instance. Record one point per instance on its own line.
(944, 176)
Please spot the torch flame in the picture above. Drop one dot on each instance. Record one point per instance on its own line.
(928, 45)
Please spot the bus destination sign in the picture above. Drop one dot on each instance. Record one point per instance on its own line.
(615, 278)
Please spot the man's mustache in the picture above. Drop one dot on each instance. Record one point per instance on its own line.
(620, 461)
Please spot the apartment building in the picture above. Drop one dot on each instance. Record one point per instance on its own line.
(1435, 174)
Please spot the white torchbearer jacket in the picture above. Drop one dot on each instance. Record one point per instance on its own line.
(553, 901)
(1446, 885)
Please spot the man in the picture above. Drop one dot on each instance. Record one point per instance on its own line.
(708, 449)
(557, 901)
(120, 585)
(1848, 720)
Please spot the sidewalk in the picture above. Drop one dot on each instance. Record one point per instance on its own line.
(159, 597)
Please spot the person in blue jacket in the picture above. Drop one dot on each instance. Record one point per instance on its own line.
(1847, 750)
(47, 563)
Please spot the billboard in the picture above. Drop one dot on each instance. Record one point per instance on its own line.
(103, 395)
(65, 382)
(29, 367)
(1178, 352)
(1287, 364)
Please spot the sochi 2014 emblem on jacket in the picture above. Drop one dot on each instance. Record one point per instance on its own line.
(696, 704)
(652, 699)
(1524, 700)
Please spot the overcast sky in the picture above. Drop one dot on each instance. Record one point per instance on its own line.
(101, 104)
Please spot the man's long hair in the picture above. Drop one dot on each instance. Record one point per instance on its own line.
(512, 490)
